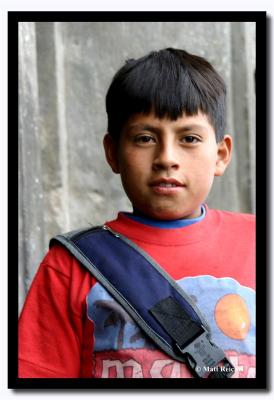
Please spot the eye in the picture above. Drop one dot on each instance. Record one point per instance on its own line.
(144, 139)
(190, 139)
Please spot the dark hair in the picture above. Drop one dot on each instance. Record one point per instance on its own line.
(168, 83)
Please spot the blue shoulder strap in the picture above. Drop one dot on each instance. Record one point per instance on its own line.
(152, 298)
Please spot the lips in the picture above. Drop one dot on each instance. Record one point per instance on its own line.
(166, 186)
(166, 182)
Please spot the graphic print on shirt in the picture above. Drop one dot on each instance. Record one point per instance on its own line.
(121, 350)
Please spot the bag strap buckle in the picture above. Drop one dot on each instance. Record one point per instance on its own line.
(206, 359)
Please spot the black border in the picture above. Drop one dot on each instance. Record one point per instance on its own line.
(260, 17)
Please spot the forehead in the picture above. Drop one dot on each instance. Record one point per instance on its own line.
(199, 121)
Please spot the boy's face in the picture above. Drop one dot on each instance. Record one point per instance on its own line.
(167, 167)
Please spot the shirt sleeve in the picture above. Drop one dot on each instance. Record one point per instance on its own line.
(50, 329)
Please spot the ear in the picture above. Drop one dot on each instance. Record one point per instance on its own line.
(224, 154)
(111, 153)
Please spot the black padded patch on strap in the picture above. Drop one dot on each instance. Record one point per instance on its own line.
(175, 320)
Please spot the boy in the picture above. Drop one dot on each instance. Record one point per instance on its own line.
(166, 121)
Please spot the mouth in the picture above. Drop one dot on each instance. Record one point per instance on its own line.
(166, 186)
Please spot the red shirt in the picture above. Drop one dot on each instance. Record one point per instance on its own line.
(71, 327)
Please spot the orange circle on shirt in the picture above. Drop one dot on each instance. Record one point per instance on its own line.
(232, 316)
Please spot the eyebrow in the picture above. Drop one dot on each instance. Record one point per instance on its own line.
(180, 129)
(145, 127)
(191, 127)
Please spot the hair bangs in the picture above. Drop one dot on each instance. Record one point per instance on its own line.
(159, 88)
(167, 83)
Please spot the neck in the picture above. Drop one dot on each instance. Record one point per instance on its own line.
(177, 223)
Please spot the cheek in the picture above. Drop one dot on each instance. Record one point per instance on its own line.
(210, 163)
(203, 165)
(134, 163)
(130, 171)
(202, 173)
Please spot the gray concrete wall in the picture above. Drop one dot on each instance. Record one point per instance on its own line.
(64, 72)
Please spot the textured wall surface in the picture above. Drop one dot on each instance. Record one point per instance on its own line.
(64, 72)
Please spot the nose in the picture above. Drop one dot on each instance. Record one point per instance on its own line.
(166, 157)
